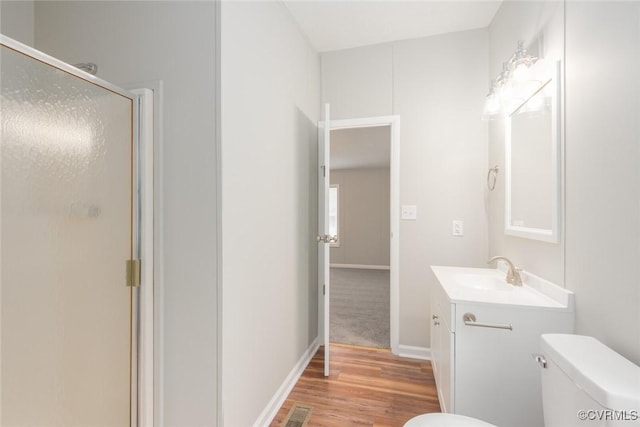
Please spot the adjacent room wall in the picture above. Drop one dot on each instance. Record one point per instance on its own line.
(528, 21)
(603, 171)
(16, 20)
(172, 42)
(437, 85)
(270, 94)
(364, 223)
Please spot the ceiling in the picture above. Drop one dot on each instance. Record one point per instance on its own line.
(357, 148)
(334, 25)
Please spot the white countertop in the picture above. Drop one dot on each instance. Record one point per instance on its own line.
(484, 285)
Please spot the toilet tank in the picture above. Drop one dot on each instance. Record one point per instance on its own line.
(585, 383)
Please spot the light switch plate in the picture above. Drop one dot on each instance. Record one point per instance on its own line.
(458, 228)
(409, 212)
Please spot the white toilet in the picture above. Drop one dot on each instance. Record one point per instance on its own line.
(584, 383)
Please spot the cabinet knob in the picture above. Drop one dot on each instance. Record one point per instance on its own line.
(434, 317)
(436, 323)
(540, 359)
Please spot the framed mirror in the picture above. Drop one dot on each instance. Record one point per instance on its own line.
(533, 162)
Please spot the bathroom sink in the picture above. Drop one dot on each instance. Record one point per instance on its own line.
(484, 282)
(489, 286)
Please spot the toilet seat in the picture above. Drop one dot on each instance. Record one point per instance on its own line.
(445, 420)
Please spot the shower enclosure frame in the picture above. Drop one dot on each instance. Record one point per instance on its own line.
(142, 170)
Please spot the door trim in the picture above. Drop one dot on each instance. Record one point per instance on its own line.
(394, 286)
(151, 154)
(324, 271)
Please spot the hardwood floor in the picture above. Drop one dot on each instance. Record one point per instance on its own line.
(367, 387)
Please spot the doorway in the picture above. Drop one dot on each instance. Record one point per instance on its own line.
(325, 238)
(76, 157)
(359, 214)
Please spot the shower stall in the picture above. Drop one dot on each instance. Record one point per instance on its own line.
(70, 213)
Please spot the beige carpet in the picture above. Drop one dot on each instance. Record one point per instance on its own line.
(360, 307)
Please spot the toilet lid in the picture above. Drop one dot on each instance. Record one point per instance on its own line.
(445, 420)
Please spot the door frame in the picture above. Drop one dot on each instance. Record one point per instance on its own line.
(144, 175)
(150, 157)
(394, 180)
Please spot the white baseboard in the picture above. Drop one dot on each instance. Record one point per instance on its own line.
(278, 399)
(361, 266)
(422, 353)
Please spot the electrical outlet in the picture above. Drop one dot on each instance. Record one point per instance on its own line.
(409, 212)
(458, 228)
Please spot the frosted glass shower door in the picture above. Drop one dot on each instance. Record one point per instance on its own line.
(66, 227)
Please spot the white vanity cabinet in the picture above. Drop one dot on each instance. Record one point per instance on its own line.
(486, 369)
(442, 347)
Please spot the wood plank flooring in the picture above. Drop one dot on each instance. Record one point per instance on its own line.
(367, 387)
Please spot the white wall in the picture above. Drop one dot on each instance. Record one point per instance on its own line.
(603, 171)
(526, 21)
(16, 20)
(364, 197)
(437, 85)
(358, 82)
(270, 98)
(173, 42)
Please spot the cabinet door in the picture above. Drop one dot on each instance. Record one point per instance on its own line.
(445, 392)
(442, 342)
(496, 379)
(435, 337)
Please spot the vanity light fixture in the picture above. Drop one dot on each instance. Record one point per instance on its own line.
(520, 63)
(515, 72)
(492, 103)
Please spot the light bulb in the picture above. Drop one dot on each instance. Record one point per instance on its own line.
(491, 105)
(540, 71)
(521, 72)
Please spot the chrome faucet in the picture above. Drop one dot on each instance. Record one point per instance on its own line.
(513, 274)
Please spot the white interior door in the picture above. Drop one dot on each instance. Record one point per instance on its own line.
(323, 233)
